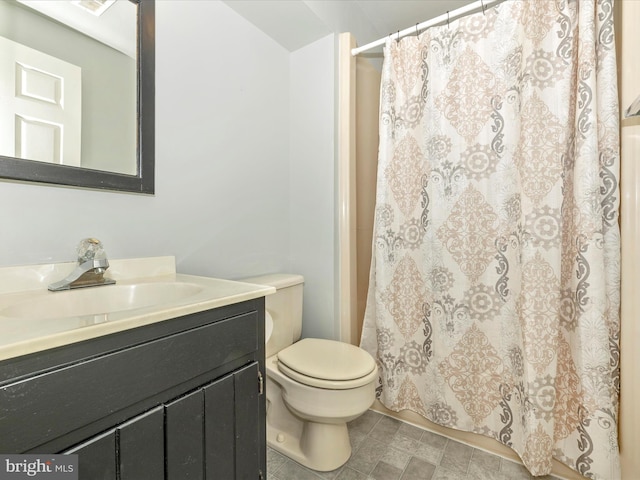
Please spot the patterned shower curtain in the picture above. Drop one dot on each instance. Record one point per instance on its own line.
(494, 294)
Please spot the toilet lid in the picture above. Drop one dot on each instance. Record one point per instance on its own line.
(327, 360)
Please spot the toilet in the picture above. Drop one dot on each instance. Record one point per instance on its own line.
(314, 386)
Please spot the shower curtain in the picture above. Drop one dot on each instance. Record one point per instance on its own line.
(493, 303)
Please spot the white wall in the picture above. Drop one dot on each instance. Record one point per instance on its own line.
(222, 161)
(222, 130)
(312, 220)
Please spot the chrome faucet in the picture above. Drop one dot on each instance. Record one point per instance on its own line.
(92, 263)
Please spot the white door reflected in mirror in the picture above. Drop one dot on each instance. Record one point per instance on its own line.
(103, 48)
(41, 114)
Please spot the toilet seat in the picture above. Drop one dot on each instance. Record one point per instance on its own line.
(327, 364)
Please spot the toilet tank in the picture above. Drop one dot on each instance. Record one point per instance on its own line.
(285, 308)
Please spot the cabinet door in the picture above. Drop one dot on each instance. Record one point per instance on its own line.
(213, 433)
(97, 457)
(141, 452)
(184, 437)
(219, 399)
(233, 426)
(132, 451)
(248, 423)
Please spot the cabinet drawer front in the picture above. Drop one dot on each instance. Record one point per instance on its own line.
(39, 409)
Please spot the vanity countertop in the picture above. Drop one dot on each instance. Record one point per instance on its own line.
(147, 291)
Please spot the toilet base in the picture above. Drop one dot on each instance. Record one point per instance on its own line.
(309, 424)
(309, 445)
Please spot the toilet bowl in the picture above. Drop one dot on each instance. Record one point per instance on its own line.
(313, 386)
(307, 416)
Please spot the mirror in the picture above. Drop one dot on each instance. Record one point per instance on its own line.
(86, 172)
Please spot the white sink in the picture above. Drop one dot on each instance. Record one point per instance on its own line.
(101, 300)
(147, 290)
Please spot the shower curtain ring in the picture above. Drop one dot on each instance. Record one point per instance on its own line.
(398, 37)
(447, 18)
(482, 4)
(417, 32)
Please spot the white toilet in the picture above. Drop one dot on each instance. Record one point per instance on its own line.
(314, 386)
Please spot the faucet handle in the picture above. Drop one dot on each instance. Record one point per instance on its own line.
(90, 249)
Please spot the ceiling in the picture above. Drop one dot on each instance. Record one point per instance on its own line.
(116, 27)
(390, 16)
(296, 23)
(291, 23)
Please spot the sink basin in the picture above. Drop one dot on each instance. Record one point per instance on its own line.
(104, 300)
(148, 291)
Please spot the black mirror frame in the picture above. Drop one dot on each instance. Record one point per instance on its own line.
(144, 182)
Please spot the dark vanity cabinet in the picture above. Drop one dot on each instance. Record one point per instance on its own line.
(179, 399)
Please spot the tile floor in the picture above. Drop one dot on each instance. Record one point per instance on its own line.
(387, 449)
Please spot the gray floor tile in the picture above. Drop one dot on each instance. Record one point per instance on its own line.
(356, 438)
(274, 461)
(477, 472)
(351, 474)
(396, 457)
(515, 470)
(418, 469)
(290, 470)
(430, 453)
(457, 457)
(329, 475)
(443, 473)
(405, 444)
(410, 431)
(434, 440)
(385, 429)
(365, 423)
(484, 461)
(384, 471)
(384, 448)
(367, 456)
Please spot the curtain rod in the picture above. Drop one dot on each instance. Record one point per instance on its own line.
(445, 17)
